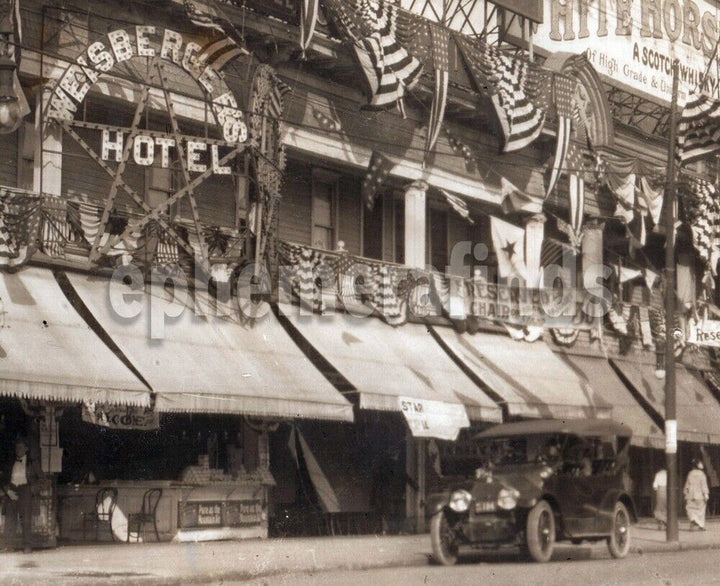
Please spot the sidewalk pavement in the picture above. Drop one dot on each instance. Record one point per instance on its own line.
(183, 563)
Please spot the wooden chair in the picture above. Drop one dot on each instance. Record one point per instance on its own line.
(105, 503)
(136, 521)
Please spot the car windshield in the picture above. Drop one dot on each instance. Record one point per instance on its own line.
(506, 451)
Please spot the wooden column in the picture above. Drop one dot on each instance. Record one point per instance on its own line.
(415, 224)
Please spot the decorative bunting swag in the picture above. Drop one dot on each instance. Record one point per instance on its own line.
(506, 79)
(371, 28)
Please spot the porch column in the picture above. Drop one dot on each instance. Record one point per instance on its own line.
(415, 224)
(592, 258)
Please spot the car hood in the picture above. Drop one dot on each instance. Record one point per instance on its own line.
(527, 479)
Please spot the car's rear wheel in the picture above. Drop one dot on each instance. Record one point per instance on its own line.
(443, 539)
(619, 540)
(540, 532)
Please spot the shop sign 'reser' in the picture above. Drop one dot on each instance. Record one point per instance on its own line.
(635, 41)
(170, 47)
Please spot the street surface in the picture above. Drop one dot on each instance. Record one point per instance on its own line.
(663, 569)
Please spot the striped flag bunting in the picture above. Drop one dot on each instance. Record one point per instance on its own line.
(308, 21)
(564, 90)
(377, 172)
(20, 217)
(440, 42)
(388, 68)
(505, 80)
(220, 51)
(698, 128)
(702, 213)
(458, 204)
(277, 98)
(55, 230)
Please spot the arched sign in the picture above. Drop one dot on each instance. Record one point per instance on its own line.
(160, 73)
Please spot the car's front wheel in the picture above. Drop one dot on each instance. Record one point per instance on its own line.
(540, 532)
(443, 539)
(619, 540)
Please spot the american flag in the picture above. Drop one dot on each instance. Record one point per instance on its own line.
(505, 79)
(441, 59)
(389, 69)
(576, 188)
(458, 204)
(698, 128)
(219, 52)
(308, 21)
(564, 90)
(376, 174)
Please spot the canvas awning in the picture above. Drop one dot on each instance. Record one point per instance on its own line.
(211, 364)
(698, 412)
(625, 409)
(47, 351)
(395, 369)
(529, 378)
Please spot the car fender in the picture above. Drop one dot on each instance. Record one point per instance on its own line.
(615, 495)
(436, 503)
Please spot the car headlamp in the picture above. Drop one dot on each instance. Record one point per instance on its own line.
(507, 498)
(460, 501)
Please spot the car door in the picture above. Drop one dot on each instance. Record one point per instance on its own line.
(574, 490)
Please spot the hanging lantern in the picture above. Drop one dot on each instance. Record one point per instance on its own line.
(10, 115)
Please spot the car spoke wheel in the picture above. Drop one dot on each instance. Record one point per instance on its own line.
(619, 540)
(443, 539)
(540, 532)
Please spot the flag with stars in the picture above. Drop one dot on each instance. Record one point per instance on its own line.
(576, 188)
(458, 204)
(508, 243)
(376, 174)
(505, 80)
(441, 59)
(564, 92)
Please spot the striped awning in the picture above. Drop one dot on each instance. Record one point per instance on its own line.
(48, 352)
(198, 359)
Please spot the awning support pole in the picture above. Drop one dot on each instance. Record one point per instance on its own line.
(670, 400)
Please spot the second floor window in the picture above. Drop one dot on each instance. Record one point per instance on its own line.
(324, 210)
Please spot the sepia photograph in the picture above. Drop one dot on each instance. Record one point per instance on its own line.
(376, 292)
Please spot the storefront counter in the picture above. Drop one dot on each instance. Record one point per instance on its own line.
(234, 509)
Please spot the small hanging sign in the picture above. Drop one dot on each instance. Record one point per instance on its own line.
(705, 333)
(120, 417)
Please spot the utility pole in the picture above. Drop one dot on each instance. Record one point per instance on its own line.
(670, 400)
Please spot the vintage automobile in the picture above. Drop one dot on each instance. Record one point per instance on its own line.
(532, 483)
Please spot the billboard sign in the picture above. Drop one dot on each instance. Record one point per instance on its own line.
(632, 43)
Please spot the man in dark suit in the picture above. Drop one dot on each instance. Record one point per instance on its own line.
(18, 497)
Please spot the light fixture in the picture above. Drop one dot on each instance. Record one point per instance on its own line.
(10, 117)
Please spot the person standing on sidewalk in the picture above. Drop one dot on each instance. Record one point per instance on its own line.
(660, 490)
(696, 493)
(18, 495)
